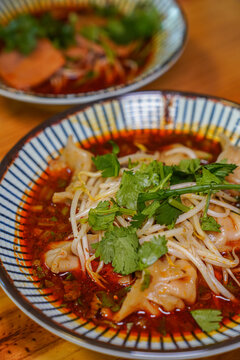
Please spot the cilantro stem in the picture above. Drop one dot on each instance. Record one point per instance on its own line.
(207, 204)
(127, 211)
(162, 183)
(164, 194)
(161, 170)
(178, 205)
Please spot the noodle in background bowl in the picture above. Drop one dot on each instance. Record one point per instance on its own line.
(151, 112)
(168, 46)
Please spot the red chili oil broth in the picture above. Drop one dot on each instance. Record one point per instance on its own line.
(76, 290)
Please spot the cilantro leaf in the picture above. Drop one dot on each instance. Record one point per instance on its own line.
(188, 166)
(130, 187)
(138, 220)
(151, 251)
(146, 280)
(208, 223)
(207, 319)
(119, 246)
(102, 216)
(167, 214)
(141, 23)
(207, 178)
(185, 171)
(108, 163)
(221, 169)
(22, 32)
(132, 184)
(191, 170)
(152, 170)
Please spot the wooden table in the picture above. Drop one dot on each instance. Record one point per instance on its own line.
(210, 64)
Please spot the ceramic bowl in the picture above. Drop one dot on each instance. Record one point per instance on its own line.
(168, 42)
(26, 163)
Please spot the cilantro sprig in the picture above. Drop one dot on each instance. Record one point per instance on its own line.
(208, 223)
(152, 182)
(108, 163)
(165, 194)
(132, 184)
(146, 193)
(120, 246)
(23, 32)
(101, 217)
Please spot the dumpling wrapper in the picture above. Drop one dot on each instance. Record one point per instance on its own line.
(60, 257)
(162, 291)
(77, 160)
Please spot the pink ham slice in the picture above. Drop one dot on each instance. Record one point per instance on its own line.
(23, 72)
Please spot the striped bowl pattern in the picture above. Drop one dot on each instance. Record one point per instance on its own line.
(26, 164)
(168, 44)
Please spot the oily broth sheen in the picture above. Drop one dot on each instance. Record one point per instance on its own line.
(77, 292)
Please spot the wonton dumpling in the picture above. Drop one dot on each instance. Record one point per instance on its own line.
(77, 160)
(60, 258)
(229, 237)
(231, 154)
(170, 286)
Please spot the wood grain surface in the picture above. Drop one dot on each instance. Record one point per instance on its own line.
(210, 64)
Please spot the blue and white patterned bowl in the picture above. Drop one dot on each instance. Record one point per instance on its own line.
(168, 43)
(26, 163)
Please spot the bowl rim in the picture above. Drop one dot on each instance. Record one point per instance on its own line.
(66, 334)
(84, 98)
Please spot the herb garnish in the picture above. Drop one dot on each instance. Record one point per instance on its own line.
(120, 246)
(101, 217)
(132, 184)
(22, 32)
(108, 163)
(140, 24)
(207, 319)
(151, 251)
(146, 193)
(165, 194)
